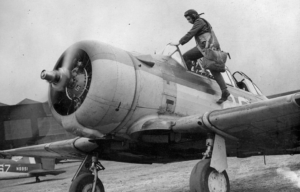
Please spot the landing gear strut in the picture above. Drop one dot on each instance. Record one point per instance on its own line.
(204, 178)
(37, 179)
(86, 178)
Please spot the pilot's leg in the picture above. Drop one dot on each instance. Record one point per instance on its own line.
(220, 80)
(217, 75)
(191, 55)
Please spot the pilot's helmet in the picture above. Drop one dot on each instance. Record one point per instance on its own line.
(192, 13)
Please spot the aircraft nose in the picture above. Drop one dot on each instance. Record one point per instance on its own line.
(92, 88)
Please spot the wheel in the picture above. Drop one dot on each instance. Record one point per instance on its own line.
(84, 183)
(206, 179)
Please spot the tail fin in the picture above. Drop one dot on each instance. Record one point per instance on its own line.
(47, 163)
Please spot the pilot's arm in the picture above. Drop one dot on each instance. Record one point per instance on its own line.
(199, 23)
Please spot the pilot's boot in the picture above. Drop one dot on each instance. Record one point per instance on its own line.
(224, 97)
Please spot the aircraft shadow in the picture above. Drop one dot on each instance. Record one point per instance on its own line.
(42, 180)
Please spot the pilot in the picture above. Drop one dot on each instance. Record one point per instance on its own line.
(205, 38)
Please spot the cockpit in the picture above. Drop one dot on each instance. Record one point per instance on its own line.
(245, 83)
(238, 79)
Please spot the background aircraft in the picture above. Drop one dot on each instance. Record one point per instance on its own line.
(23, 124)
(149, 108)
(21, 167)
(28, 123)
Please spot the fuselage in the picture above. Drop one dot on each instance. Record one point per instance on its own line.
(10, 169)
(168, 88)
(21, 167)
(118, 88)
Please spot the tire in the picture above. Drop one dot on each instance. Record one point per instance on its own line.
(206, 179)
(84, 183)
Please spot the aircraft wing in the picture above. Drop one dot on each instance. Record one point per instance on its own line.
(268, 124)
(72, 148)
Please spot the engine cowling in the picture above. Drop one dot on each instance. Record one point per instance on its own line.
(92, 88)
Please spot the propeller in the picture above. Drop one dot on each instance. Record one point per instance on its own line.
(70, 80)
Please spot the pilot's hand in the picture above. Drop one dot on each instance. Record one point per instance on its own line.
(174, 44)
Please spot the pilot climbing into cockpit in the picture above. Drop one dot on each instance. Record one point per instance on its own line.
(205, 39)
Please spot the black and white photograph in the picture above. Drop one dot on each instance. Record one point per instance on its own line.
(149, 96)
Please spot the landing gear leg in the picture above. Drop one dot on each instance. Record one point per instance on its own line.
(209, 147)
(86, 178)
(37, 179)
(205, 178)
(96, 166)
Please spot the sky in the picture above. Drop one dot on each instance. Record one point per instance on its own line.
(262, 37)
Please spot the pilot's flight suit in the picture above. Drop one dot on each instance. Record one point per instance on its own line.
(205, 38)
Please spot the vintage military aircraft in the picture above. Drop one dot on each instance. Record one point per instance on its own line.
(21, 167)
(130, 107)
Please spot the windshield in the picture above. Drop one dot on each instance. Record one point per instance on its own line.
(245, 83)
(173, 52)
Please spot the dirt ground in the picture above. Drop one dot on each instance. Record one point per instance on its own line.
(282, 174)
